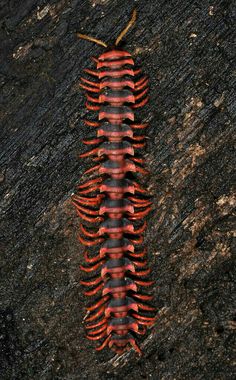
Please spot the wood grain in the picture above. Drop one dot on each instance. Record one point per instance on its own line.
(187, 50)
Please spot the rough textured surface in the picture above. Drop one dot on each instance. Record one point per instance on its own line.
(187, 50)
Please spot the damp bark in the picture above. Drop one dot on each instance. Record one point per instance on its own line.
(187, 51)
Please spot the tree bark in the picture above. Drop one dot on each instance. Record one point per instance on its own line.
(187, 50)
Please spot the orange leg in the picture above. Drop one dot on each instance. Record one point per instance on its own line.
(143, 318)
(138, 240)
(93, 141)
(145, 307)
(92, 99)
(146, 323)
(91, 72)
(104, 344)
(94, 168)
(95, 59)
(102, 335)
(92, 108)
(138, 138)
(91, 83)
(139, 254)
(91, 260)
(137, 159)
(137, 200)
(101, 329)
(97, 159)
(91, 152)
(92, 268)
(88, 219)
(140, 145)
(135, 346)
(143, 297)
(85, 209)
(140, 214)
(88, 243)
(87, 88)
(102, 322)
(90, 182)
(90, 190)
(141, 170)
(141, 104)
(141, 229)
(91, 282)
(91, 123)
(88, 233)
(94, 291)
(140, 264)
(96, 315)
(139, 126)
(142, 273)
(144, 204)
(94, 201)
(139, 96)
(139, 188)
(98, 303)
(142, 85)
(140, 81)
(144, 283)
(137, 71)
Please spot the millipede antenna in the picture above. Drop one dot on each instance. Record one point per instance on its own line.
(119, 38)
(92, 39)
(128, 26)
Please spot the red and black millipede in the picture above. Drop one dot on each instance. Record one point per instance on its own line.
(112, 205)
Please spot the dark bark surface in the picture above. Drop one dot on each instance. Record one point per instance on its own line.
(187, 50)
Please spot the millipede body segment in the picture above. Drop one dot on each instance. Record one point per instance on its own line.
(112, 205)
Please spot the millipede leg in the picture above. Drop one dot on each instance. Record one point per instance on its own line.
(141, 104)
(104, 344)
(90, 107)
(91, 123)
(92, 268)
(99, 303)
(102, 322)
(88, 88)
(100, 336)
(94, 291)
(91, 72)
(96, 315)
(91, 83)
(135, 346)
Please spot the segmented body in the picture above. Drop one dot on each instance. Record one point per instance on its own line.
(115, 204)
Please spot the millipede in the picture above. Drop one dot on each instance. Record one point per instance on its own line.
(112, 204)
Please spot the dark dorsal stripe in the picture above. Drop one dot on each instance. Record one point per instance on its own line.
(109, 164)
(122, 321)
(116, 263)
(116, 145)
(120, 110)
(117, 80)
(116, 243)
(117, 93)
(117, 282)
(115, 223)
(118, 302)
(118, 182)
(122, 337)
(114, 203)
(107, 127)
